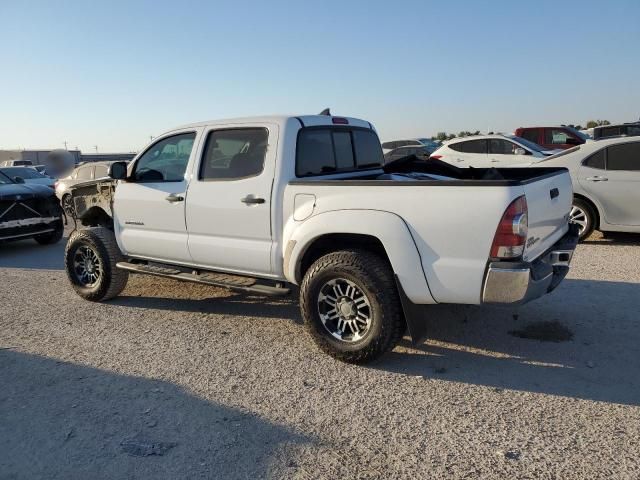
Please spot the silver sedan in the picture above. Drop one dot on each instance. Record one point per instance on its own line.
(606, 184)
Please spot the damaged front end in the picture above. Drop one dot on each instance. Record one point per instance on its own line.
(92, 202)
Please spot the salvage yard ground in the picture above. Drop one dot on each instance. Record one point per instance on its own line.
(175, 380)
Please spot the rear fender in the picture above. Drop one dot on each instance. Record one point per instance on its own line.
(389, 228)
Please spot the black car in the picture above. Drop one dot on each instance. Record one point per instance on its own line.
(29, 211)
(420, 152)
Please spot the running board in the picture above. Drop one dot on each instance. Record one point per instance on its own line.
(233, 282)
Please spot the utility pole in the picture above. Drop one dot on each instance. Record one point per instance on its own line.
(65, 145)
(96, 147)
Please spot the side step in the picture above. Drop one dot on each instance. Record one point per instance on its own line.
(233, 282)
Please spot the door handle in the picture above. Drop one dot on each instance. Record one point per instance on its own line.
(251, 200)
(173, 198)
(460, 160)
(494, 160)
(597, 179)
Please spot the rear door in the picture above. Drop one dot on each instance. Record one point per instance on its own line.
(548, 203)
(229, 199)
(612, 177)
(470, 153)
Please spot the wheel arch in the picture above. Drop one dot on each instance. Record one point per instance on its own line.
(594, 207)
(96, 217)
(382, 232)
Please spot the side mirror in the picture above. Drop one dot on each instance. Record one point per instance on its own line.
(118, 171)
(519, 151)
(18, 179)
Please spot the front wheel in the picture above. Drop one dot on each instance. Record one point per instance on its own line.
(90, 260)
(351, 307)
(51, 237)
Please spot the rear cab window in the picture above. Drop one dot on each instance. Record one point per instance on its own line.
(324, 150)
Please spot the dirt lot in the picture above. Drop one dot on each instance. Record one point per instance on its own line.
(229, 386)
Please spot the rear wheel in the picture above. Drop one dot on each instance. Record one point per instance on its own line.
(351, 307)
(583, 215)
(90, 260)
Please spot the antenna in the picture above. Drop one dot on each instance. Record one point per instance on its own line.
(325, 112)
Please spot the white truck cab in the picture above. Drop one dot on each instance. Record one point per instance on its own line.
(260, 204)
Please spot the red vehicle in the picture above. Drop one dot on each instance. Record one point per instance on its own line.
(551, 138)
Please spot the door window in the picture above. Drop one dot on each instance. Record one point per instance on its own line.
(556, 136)
(166, 160)
(531, 135)
(234, 154)
(84, 173)
(501, 147)
(624, 157)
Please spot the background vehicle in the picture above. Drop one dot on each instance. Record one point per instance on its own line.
(550, 138)
(257, 204)
(82, 173)
(16, 163)
(29, 211)
(606, 184)
(431, 145)
(420, 152)
(608, 131)
(487, 151)
(29, 175)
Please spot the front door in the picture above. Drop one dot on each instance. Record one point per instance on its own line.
(229, 200)
(503, 153)
(149, 207)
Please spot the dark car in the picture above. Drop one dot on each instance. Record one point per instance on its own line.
(622, 130)
(551, 138)
(29, 211)
(420, 152)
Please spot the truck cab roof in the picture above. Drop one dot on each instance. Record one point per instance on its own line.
(304, 120)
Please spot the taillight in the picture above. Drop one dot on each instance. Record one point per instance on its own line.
(435, 157)
(339, 121)
(511, 234)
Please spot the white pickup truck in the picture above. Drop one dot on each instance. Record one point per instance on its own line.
(262, 204)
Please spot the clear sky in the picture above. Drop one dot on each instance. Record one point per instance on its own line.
(112, 73)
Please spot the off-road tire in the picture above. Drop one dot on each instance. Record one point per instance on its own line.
(51, 237)
(374, 277)
(103, 242)
(590, 217)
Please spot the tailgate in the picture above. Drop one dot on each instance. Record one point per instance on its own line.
(549, 200)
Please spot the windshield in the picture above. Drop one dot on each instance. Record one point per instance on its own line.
(530, 145)
(24, 172)
(4, 179)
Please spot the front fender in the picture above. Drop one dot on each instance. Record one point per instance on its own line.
(389, 228)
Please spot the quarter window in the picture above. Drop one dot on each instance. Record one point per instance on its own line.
(234, 154)
(166, 160)
(531, 135)
(624, 157)
(596, 160)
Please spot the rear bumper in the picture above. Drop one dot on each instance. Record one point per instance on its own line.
(521, 282)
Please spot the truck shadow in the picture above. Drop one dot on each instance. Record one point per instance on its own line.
(61, 420)
(599, 363)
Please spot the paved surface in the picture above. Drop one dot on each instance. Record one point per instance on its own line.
(210, 384)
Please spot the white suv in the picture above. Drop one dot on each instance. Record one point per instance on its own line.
(485, 151)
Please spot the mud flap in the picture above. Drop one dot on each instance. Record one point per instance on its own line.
(415, 315)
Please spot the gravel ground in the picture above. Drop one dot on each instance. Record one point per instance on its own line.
(174, 380)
